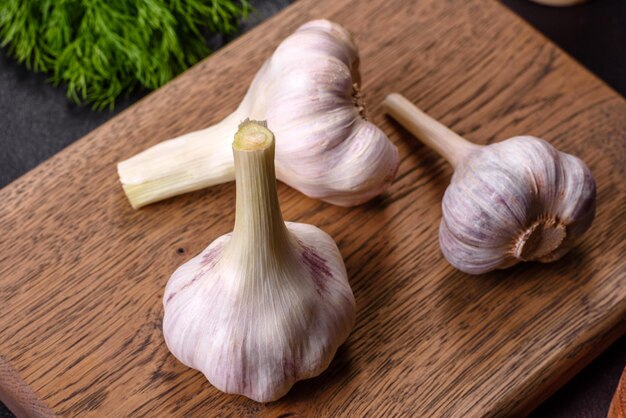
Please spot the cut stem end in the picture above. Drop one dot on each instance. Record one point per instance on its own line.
(252, 136)
(540, 239)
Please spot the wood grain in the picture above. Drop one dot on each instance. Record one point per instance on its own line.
(82, 274)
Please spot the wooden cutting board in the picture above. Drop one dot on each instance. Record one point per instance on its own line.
(82, 274)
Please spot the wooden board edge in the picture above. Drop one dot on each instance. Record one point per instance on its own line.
(18, 396)
(571, 368)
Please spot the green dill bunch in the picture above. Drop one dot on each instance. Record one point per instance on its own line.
(100, 49)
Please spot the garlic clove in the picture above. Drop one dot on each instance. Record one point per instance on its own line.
(576, 206)
(517, 200)
(308, 91)
(266, 305)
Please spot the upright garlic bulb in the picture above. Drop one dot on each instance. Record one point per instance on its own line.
(266, 305)
(516, 200)
(308, 91)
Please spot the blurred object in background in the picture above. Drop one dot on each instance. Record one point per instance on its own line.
(559, 2)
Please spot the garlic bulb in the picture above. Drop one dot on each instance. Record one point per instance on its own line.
(266, 305)
(308, 92)
(516, 200)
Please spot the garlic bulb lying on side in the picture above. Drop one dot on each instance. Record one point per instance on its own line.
(266, 305)
(308, 92)
(516, 200)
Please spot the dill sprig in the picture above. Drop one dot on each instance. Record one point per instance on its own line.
(100, 49)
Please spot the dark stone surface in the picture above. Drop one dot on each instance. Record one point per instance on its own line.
(594, 33)
(37, 122)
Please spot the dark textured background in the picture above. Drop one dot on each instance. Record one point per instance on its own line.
(37, 121)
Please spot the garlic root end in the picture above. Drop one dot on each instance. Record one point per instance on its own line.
(540, 240)
(252, 136)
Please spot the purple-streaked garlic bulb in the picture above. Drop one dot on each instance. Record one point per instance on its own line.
(517, 200)
(308, 91)
(266, 305)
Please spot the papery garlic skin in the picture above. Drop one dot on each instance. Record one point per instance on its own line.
(264, 306)
(516, 200)
(308, 92)
(258, 338)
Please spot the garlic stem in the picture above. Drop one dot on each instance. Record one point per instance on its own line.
(260, 235)
(451, 146)
(189, 162)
